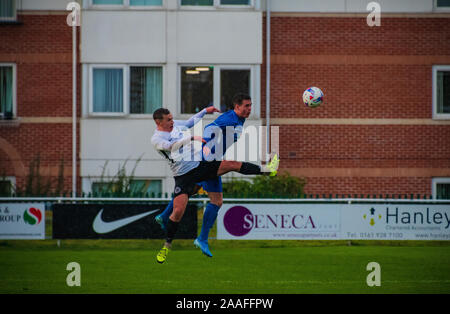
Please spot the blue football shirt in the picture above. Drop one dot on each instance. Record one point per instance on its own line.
(227, 119)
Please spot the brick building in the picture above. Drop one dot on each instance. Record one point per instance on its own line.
(36, 108)
(384, 128)
(379, 131)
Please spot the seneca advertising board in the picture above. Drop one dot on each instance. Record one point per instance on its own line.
(334, 221)
(22, 221)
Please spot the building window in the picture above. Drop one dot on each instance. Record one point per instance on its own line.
(145, 2)
(147, 187)
(235, 2)
(145, 89)
(7, 91)
(203, 86)
(441, 188)
(217, 3)
(136, 188)
(196, 88)
(197, 2)
(107, 2)
(441, 92)
(7, 10)
(443, 3)
(123, 89)
(128, 3)
(231, 83)
(108, 90)
(7, 186)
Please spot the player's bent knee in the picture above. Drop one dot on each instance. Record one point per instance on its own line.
(217, 203)
(236, 165)
(230, 165)
(176, 216)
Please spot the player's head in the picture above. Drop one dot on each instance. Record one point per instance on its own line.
(242, 104)
(163, 119)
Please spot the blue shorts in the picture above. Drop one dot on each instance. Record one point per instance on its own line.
(213, 185)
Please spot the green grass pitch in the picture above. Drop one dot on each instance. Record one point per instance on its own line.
(238, 267)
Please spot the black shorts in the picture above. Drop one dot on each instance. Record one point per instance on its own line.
(186, 183)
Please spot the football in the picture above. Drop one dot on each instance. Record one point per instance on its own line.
(313, 97)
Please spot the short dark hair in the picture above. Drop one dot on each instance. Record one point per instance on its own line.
(160, 113)
(239, 98)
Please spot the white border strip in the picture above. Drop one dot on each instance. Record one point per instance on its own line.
(235, 200)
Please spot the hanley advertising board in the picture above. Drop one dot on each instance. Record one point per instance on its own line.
(396, 221)
(22, 221)
(334, 221)
(117, 221)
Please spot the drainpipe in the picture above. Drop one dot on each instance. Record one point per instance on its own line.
(74, 110)
(268, 77)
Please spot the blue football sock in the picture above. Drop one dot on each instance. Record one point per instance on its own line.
(167, 212)
(209, 217)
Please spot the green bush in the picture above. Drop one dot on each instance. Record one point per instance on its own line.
(282, 186)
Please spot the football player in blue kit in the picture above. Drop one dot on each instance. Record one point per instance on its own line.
(232, 120)
(169, 140)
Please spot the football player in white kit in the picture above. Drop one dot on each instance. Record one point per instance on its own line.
(188, 169)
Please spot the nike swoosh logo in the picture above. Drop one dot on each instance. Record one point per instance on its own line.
(101, 226)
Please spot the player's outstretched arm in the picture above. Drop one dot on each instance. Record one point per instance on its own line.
(162, 144)
(211, 109)
(196, 118)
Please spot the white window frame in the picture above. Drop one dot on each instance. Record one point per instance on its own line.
(126, 94)
(14, 87)
(254, 86)
(236, 6)
(437, 115)
(216, 5)
(125, 5)
(145, 65)
(13, 18)
(125, 87)
(436, 8)
(188, 115)
(435, 182)
(146, 7)
(197, 7)
(106, 6)
(252, 92)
